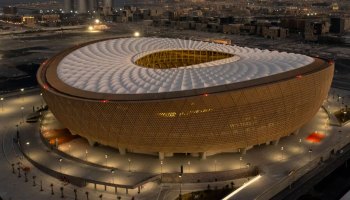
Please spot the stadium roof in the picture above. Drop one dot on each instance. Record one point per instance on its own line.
(109, 67)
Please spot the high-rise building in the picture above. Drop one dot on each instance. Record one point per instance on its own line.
(9, 10)
(68, 6)
(92, 5)
(107, 7)
(82, 6)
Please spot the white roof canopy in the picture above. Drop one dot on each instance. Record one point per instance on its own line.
(108, 66)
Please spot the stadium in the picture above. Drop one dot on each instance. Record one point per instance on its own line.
(164, 96)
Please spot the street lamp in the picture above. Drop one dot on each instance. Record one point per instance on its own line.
(22, 90)
(60, 165)
(2, 103)
(97, 21)
(41, 99)
(180, 176)
(129, 160)
(161, 167)
(106, 156)
(310, 151)
(240, 162)
(189, 166)
(28, 143)
(86, 153)
(112, 171)
(300, 145)
(282, 152)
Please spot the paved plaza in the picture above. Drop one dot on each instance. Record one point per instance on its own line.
(274, 161)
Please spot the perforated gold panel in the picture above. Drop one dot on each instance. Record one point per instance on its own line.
(214, 122)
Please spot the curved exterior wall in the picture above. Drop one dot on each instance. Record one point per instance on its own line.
(219, 121)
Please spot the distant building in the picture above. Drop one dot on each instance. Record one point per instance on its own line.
(82, 6)
(107, 7)
(9, 10)
(50, 19)
(92, 5)
(313, 30)
(274, 32)
(28, 20)
(232, 28)
(68, 6)
(339, 25)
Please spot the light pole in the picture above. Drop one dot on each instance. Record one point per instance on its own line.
(161, 167)
(300, 145)
(60, 163)
(180, 195)
(22, 91)
(17, 132)
(25, 176)
(13, 168)
(282, 153)
(41, 100)
(86, 154)
(310, 152)
(41, 186)
(19, 172)
(189, 166)
(106, 156)
(75, 194)
(2, 103)
(87, 195)
(51, 185)
(28, 143)
(112, 171)
(129, 160)
(62, 195)
(69, 146)
(240, 162)
(34, 183)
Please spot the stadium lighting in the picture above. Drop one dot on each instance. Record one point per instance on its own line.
(137, 34)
